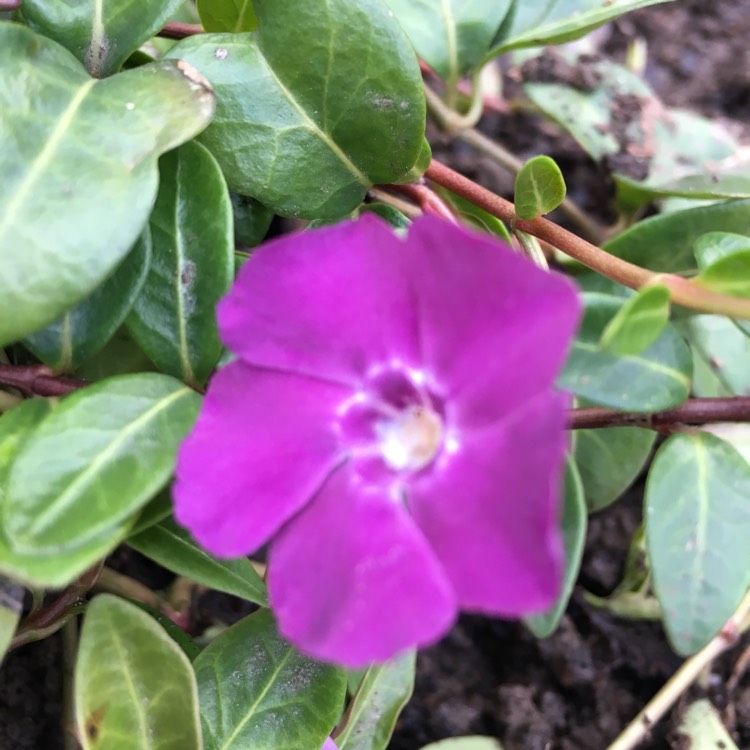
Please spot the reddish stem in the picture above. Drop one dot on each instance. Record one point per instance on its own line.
(682, 291)
(429, 201)
(695, 411)
(178, 30)
(37, 380)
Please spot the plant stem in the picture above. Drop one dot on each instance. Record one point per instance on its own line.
(461, 127)
(694, 411)
(179, 30)
(429, 201)
(49, 619)
(637, 731)
(682, 291)
(69, 654)
(37, 380)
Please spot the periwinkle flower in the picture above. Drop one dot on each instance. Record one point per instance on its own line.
(392, 428)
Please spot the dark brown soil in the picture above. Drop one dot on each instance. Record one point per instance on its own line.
(579, 688)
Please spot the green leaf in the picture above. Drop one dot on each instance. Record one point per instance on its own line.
(79, 174)
(532, 23)
(11, 604)
(714, 246)
(54, 571)
(721, 353)
(465, 743)
(655, 379)
(94, 461)
(697, 527)
(702, 728)
(382, 693)
(257, 691)
(609, 461)
(87, 327)
(251, 220)
(227, 15)
(540, 188)
(192, 266)
(100, 33)
(574, 535)
(306, 103)
(729, 274)
(134, 687)
(452, 36)
(475, 216)
(387, 212)
(665, 243)
(638, 323)
(173, 548)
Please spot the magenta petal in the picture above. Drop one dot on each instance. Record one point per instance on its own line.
(494, 329)
(329, 302)
(352, 580)
(491, 511)
(329, 744)
(263, 445)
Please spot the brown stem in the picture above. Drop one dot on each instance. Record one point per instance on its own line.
(37, 380)
(47, 619)
(682, 291)
(429, 201)
(178, 30)
(694, 411)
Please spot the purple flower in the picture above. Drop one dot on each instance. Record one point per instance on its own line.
(329, 744)
(392, 428)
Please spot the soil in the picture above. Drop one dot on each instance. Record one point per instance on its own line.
(580, 687)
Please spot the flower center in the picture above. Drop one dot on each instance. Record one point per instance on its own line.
(411, 440)
(394, 425)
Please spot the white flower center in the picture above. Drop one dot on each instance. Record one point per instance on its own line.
(410, 440)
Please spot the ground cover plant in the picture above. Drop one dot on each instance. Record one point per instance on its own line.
(253, 330)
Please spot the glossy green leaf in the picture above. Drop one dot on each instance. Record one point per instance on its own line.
(79, 173)
(535, 23)
(382, 693)
(319, 103)
(714, 246)
(227, 15)
(665, 243)
(453, 36)
(158, 508)
(258, 692)
(134, 687)
(475, 216)
(703, 728)
(251, 220)
(721, 353)
(638, 323)
(94, 461)
(609, 461)
(697, 527)
(16, 427)
(540, 188)
(83, 330)
(388, 213)
(465, 743)
(728, 275)
(574, 520)
(173, 319)
(173, 548)
(100, 33)
(11, 604)
(655, 379)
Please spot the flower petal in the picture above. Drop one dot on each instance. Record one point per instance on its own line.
(494, 328)
(352, 580)
(330, 302)
(262, 446)
(491, 511)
